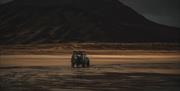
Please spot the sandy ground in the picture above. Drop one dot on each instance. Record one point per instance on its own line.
(64, 60)
(140, 72)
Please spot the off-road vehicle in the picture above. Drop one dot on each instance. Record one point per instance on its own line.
(79, 59)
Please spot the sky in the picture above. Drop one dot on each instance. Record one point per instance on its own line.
(4, 1)
(165, 12)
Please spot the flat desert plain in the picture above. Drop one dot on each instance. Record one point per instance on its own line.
(110, 70)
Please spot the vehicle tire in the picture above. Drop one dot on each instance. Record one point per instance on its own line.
(72, 65)
(88, 64)
(83, 65)
(77, 65)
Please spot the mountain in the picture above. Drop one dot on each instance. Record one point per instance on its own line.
(55, 21)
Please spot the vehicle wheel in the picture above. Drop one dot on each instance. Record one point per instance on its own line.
(88, 64)
(83, 65)
(77, 65)
(72, 65)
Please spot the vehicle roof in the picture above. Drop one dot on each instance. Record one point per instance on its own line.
(79, 52)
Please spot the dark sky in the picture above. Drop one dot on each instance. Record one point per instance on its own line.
(4, 1)
(161, 11)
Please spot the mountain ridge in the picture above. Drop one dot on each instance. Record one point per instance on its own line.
(28, 21)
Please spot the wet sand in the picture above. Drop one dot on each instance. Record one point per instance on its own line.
(96, 78)
(140, 72)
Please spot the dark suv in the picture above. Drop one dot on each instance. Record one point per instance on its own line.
(79, 59)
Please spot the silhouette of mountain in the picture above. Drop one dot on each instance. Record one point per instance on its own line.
(54, 21)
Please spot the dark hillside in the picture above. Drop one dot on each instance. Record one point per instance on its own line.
(54, 21)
